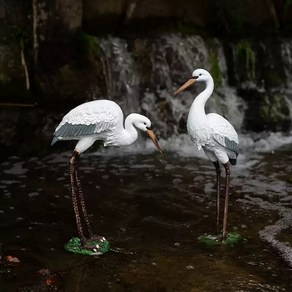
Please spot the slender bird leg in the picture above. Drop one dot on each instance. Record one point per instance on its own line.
(218, 172)
(72, 167)
(81, 200)
(92, 238)
(227, 171)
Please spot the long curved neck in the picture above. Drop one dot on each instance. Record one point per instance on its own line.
(197, 110)
(130, 133)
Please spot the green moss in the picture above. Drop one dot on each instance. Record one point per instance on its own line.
(87, 46)
(215, 69)
(246, 57)
(267, 111)
(274, 111)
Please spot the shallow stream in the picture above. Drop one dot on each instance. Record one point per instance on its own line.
(152, 209)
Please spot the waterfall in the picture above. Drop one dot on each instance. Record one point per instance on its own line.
(143, 73)
(286, 53)
(170, 61)
(120, 73)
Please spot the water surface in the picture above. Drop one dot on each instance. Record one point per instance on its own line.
(151, 208)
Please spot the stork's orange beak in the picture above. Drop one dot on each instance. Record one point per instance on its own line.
(185, 86)
(154, 140)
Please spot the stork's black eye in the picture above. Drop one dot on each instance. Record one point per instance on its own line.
(200, 74)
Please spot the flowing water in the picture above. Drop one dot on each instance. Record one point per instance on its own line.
(142, 73)
(151, 208)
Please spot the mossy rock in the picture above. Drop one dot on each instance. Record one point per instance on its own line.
(266, 111)
(245, 61)
(213, 60)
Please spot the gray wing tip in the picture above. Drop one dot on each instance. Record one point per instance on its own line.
(232, 145)
(55, 139)
(74, 130)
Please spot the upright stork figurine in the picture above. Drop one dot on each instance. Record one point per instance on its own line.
(214, 134)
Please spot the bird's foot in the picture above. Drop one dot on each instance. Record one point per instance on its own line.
(96, 244)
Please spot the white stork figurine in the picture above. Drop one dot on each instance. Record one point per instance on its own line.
(214, 134)
(88, 122)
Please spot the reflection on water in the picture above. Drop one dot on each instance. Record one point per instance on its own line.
(151, 208)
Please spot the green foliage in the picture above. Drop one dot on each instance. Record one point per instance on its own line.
(87, 46)
(245, 53)
(215, 69)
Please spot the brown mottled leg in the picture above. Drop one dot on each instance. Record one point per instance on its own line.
(81, 200)
(227, 179)
(218, 172)
(80, 197)
(74, 191)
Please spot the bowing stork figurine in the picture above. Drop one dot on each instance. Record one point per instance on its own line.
(215, 135)
(86, 123)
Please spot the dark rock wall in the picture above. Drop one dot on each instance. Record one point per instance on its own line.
(50, 56)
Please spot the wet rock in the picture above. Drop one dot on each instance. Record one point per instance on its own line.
(266, 111)
(11, 259)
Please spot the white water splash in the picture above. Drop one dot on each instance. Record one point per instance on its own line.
(122, 77)
(270, 232)
(181, 145)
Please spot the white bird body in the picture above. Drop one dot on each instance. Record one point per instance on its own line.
(88, 122)
(214, 134)
(211, 132)
(100, 120)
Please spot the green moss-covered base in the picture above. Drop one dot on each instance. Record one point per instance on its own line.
(215, 239)
(74, 246)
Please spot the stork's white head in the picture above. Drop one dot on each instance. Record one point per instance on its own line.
(199, 75)
(143, 123)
